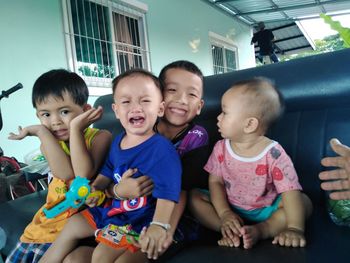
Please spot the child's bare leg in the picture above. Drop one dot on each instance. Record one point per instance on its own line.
(253, 233)
(273, 226)
(204, 211)
(82, 254)
(76, 228)
(104, 253)
(129, 257)
(291, 236)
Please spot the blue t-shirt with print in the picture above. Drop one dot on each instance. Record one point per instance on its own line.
(157, 158)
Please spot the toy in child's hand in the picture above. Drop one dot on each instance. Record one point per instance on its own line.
(78, 192)
(112, 234)
(99, 195)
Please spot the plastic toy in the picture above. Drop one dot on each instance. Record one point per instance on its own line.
(114, 234)
(75, 197)
(100, 195)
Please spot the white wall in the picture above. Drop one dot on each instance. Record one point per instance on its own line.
(32, 42)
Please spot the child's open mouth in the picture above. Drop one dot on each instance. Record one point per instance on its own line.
(137, 121)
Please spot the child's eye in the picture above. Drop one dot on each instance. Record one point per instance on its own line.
(124, 102)
(193, 95)
(145, 100)
(64, 112)
(170, 90)
(45, 114)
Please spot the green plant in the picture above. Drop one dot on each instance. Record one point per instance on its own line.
(344, 32)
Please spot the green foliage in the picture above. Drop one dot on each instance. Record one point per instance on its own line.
(344, 32)
(327, 44)
(100, 71)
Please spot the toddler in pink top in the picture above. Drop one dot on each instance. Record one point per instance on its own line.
(252, 179)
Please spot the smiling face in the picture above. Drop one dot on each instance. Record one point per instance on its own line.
(56, 114)
(182, 96)
(138, 104)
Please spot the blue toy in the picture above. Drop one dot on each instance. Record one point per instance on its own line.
(78, 192)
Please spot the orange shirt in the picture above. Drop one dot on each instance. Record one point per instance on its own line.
(45, 230)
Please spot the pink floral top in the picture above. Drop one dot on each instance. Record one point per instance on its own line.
(253, 182)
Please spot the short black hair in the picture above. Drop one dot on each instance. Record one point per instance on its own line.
(180, 64)
(58, 81)
(134, 72)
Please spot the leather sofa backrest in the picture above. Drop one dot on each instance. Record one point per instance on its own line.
(317, 96)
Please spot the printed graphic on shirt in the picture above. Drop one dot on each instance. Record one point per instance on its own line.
(127, 205)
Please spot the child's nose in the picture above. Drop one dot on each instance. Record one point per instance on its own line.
(136, 107)
(56, 120)
(182, 97)
(219, 116)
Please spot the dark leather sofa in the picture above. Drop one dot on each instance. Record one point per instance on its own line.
(317, 94)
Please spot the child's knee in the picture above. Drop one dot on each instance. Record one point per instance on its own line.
(196, 198)
(307, 204)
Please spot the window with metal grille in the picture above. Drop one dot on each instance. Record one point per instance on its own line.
(224, 54)
(105, 38)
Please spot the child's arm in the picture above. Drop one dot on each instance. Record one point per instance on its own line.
(174, 220)
(153, 240)
(230, 222)
(129, 187)
(294, 209)
(57, 159)
(86, 162)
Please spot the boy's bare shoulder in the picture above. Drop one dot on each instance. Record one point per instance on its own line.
(103, 136)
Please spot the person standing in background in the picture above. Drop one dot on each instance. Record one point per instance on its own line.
(264, 38)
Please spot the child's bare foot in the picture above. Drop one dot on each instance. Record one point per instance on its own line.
(229, 242)
(290, 238)
(251, 235)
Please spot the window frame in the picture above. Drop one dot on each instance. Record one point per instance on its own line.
(131, 8)
(226, 44)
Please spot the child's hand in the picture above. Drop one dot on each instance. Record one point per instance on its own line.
(167, 242)
(32, 130)
(91, 201)
(152, 241)
(230, 225)
(84, 120)
(93, 198)
(134, 187)
(290, 238)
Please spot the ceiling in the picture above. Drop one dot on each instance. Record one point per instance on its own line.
(281, 16)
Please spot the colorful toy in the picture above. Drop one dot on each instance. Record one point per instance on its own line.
(74, 198)
(100, 195)
(115, 234)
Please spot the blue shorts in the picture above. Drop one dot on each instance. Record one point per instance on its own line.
(255, 215)
(259, 214)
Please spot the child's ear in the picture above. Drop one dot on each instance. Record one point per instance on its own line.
(200, 107)
(161, 109)
(115, 109)
(251, 125)
(86, 107)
